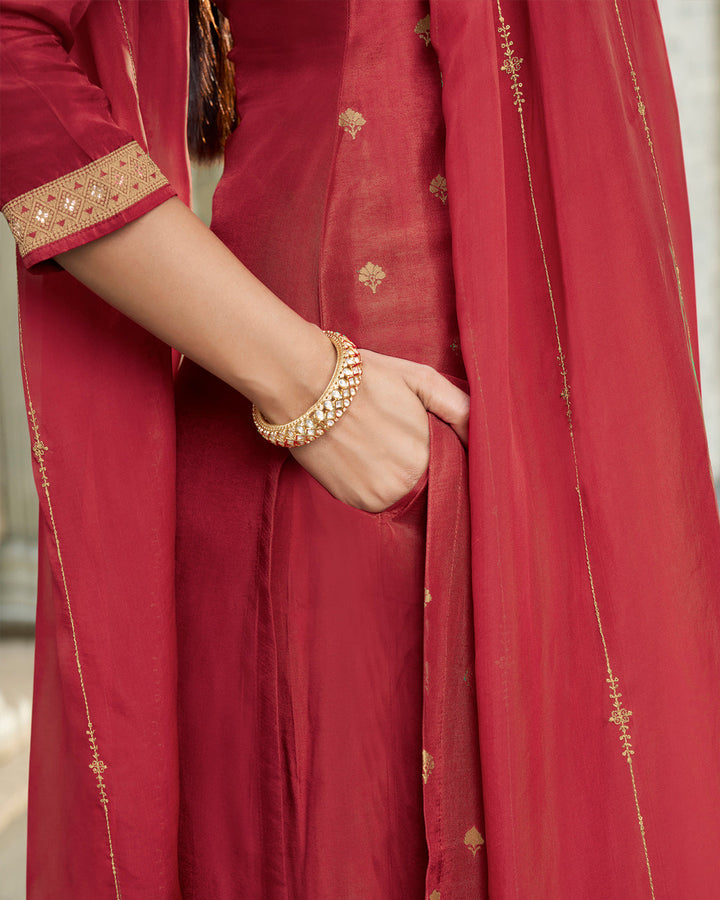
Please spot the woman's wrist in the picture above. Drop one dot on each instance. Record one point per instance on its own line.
(209, 306)
(295, 373)
(328, 409)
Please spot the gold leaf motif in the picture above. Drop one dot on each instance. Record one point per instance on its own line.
(428, 596)
(473, 840)
(428, 764)
(621, 717)
(422, 29)
(511, 64)
(371, 275)
(351, 121)
(438, 187)
(435, 895)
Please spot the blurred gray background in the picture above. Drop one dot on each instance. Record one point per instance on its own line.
(692, 29)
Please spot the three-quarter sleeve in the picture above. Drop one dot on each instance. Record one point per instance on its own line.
(69, 172)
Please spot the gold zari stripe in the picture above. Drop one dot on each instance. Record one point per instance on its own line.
(97, 766)
(82, 198)
(620, 716)
(642, 111)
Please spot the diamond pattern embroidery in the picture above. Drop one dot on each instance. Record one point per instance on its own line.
(88, 195)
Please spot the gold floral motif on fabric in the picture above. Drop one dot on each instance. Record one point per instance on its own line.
(428, 596)
(351, 121)
(435, 895)
(473, 840)
(422, 29)
(512, 63)
(620, 716)
(84, 197)
(438, 187)
(428, 764)
(371, 275)
(39, 450)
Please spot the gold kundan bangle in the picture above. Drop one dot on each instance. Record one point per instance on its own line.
(333, 402)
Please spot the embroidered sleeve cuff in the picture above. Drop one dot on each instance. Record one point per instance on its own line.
(85, 204)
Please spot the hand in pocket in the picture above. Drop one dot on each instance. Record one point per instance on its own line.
(380, 449)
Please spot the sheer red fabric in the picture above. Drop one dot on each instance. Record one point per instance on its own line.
(589, 629)
(596, 565)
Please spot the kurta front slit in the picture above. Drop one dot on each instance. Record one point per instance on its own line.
(310, 667)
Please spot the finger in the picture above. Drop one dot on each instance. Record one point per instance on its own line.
(442, 398)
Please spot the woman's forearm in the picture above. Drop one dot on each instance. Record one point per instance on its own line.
(168, 272)
(172, 275)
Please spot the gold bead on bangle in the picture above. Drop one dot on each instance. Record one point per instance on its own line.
(333, 402)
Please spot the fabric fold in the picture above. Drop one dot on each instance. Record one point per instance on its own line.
(452, 782)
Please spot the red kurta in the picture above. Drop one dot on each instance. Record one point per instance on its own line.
(592, 626)
(305, 672)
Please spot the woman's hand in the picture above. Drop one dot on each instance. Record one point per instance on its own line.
(380, 448)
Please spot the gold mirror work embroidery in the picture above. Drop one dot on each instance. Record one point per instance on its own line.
(95, 192)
